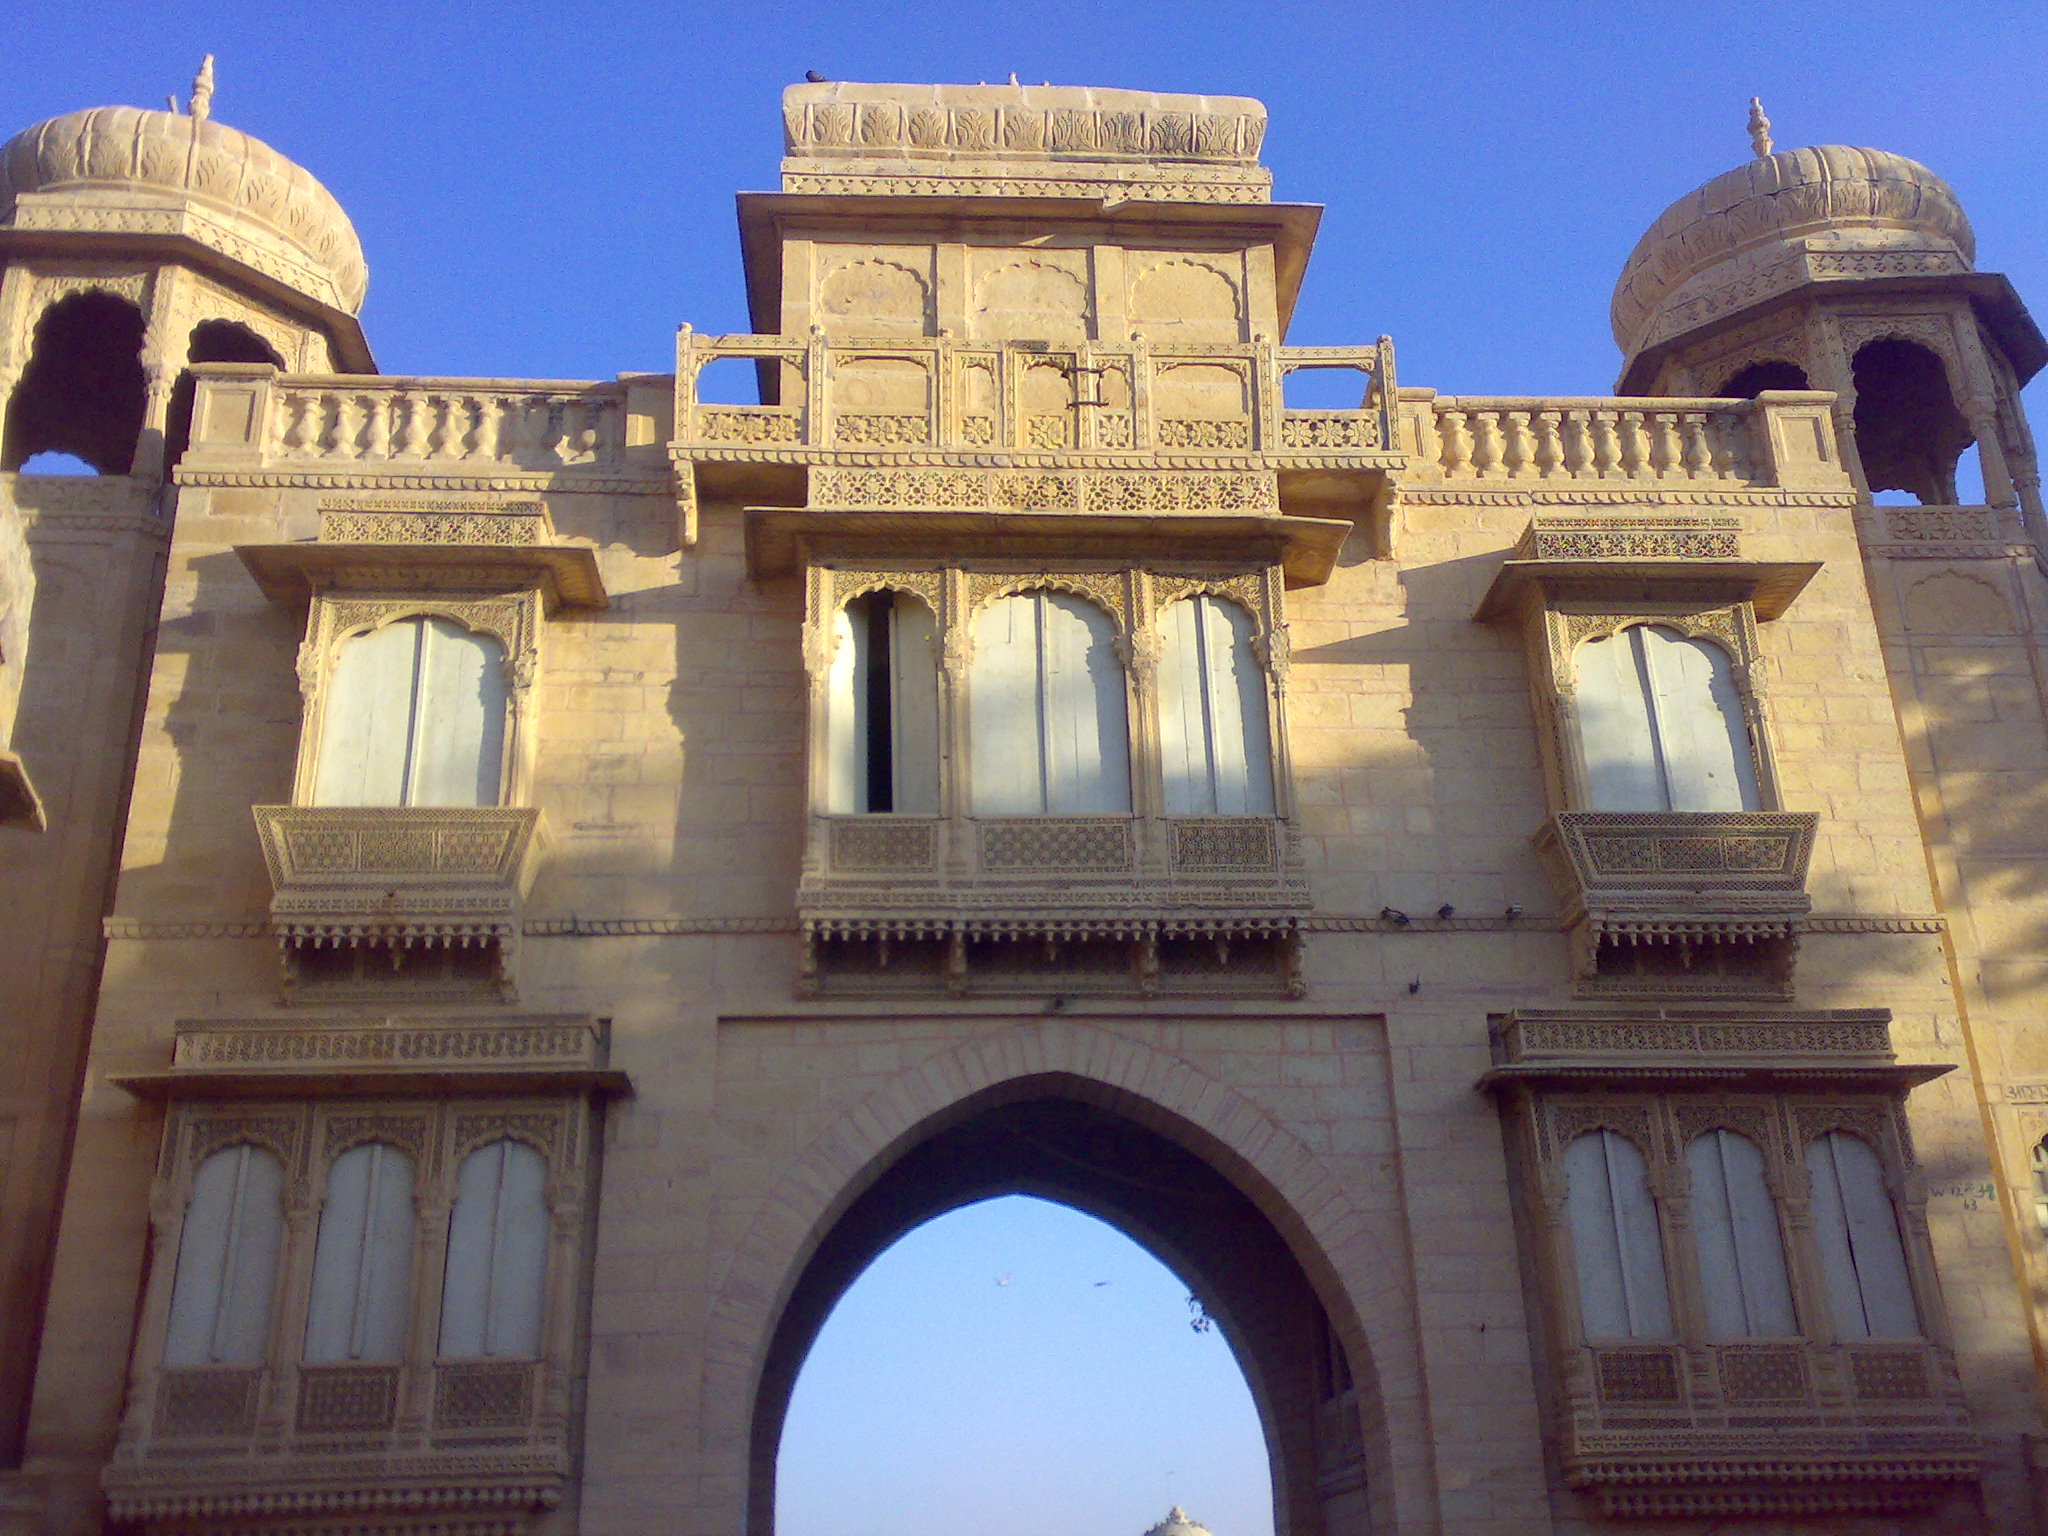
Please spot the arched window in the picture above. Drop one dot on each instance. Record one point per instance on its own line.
(83, 391)
(1046, 711)
(1214, 744)
(1735, 1227)
(1856, 1228)
(497, 1254)
(1661, 726)
(227, 1260)
(1615, 1243)
(882, 711)
(362, 1261)
(415, 715)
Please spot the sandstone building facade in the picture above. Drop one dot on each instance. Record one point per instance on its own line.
(520, 888)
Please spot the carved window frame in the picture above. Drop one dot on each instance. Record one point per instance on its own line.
(1133, 597)
(514, 619)
(287, 1401)
(1661, 1123)
(1560, 625)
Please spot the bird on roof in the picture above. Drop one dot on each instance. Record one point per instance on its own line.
(814, 77)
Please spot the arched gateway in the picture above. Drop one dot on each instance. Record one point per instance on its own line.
(1277, 1252)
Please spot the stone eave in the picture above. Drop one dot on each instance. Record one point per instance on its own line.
(762, 215)
(1770, 585)
(386, 1082)
(1701, 1071)
(289, 573)
(343, 331)
(781, 539)
(1991, 294)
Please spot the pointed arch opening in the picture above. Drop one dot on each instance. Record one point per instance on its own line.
(83, 391)
(1909, 432)
(1078, 1144)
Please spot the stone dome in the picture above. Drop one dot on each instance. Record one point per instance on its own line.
(1800, 215)
(126, 170)
(1177, 1523)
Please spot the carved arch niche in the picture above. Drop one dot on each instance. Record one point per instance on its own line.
(1179, 300)
(1950, 603)
(1031, 300)
(872, 296)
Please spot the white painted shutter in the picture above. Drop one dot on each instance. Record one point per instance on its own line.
(362, 1261)
(1857, 1230)
(1661, 725)
(1084, 718)
(415, 715)
(1003, 709)
(1615, 1242)
(1703, 740)
(1735, 1224)
(497, 1254)
(914, 705)
(227, 1260)
(367, 729)
(459, 737)
(1616, 737)
(846, 718)
(1215, 744)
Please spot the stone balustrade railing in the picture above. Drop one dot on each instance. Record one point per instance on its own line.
(247, 416)
(1535, 440)
(410, 420)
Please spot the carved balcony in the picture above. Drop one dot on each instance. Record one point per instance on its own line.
(402, 877)
(405, 1437)
(1159, 900)
(1689, 881)
(1821, 1420)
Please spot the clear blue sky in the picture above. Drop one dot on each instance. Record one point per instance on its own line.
(546, 191)
(1019, 1369)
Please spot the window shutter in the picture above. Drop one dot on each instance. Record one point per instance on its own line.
(1699, 727)
(914, 705)
(459, 715)
(227, 1260)
(1615, 1243)
(1046, 710)
(362, 1260)
(1857, 1230)
(1083, 719)
(1735, 1225)
(367, 728)
(497, 1254)
(846, 718)
(1661, 726)
(415, 715)
(1003, 709)
(1215, 746)
(1616, 736)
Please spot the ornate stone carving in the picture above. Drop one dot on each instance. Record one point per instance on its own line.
(444, 874)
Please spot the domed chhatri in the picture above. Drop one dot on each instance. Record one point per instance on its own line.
(1177, 1523)
(1785, 219)
(136, 172)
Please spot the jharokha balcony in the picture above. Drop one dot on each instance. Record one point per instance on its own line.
(432, 890)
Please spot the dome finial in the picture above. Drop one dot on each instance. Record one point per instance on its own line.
(202, 90)
(1759, 129)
